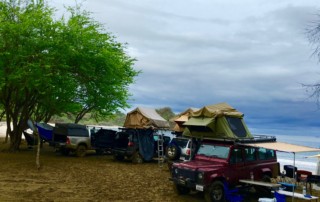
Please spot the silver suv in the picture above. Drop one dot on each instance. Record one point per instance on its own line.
(179, 148)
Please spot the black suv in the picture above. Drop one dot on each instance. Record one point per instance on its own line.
(136, 145)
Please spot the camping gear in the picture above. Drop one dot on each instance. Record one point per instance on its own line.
(45, 131)
(290, 170)
(181, 118)
(217, 121)
(145, 118)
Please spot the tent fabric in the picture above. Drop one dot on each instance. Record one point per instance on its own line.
(182, 118)
(199, 121)
(284, 147)
(215, 128)
(145, 118)
(146, 144)
(217, 121)
(219, 109)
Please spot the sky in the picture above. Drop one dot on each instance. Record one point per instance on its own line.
(252, 54)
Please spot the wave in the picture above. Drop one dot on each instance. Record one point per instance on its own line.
(301, 165)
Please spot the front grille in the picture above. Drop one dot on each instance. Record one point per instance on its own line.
(186, 174)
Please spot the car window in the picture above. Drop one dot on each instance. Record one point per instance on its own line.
(266, 154)
(250, 154)
(214, 151)
(236, 156)
(182, 143)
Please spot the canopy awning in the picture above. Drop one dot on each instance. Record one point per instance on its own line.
(314, 156)
(284, 147)
(199, 121)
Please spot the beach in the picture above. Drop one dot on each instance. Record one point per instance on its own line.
(92, 178)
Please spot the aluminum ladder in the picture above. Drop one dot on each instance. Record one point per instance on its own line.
(160, 150)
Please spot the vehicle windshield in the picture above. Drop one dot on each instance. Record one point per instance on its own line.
(182, 143)
(214, 151)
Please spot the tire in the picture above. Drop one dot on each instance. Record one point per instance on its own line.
(81, 151)
(64, 151)
(264, 191)
(99, 151)
(173, 152)
(137, 158)
(181, 190)
(118, 157)
(215, 192)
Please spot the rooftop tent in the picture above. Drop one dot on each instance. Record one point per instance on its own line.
(217, 121)
(145, 118)
(182, 118)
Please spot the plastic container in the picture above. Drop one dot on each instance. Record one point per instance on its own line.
(251, 176)
(267, 200)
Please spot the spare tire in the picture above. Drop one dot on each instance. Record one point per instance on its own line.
(173, 152)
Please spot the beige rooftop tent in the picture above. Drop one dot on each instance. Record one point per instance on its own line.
(181, 118)
(217, 121)
(145, 118)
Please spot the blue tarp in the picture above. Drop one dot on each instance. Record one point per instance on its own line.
(45, 131)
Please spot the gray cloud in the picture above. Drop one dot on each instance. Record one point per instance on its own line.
(252, 54)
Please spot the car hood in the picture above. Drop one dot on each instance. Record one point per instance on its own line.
(201, 164)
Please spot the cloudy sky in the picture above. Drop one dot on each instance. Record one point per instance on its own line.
(252, 54)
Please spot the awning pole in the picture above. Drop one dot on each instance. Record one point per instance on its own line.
(294, 175)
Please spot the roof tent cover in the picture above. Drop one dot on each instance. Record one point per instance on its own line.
(220, 109)
(217, 121)
(182, 118)
(145, 118)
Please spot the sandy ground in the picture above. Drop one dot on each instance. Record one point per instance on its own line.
(91, 178)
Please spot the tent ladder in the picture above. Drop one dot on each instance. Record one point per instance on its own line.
(160, 151)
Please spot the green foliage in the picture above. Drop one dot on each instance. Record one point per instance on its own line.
(166, 113)
(51, 67)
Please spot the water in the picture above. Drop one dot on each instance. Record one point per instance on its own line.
(301, 162)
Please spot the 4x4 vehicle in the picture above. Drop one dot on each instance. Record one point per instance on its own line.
(136, 145)
(219, 165)
(68, 137)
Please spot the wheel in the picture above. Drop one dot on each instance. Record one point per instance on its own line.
(64, 151)
(81, 151)
(118, 157)
(215, 193)
(173, 152)
(264, 191)
(181, 190)
(137, 158)
(99, 151)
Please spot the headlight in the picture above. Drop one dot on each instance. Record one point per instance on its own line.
(200, 176)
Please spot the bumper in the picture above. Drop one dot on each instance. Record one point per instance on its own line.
(122, 152)
(188, 183)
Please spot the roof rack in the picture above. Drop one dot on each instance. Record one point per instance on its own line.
(255, 139)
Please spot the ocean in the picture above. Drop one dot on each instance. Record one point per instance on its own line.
(301, 160)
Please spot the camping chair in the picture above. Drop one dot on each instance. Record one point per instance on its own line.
(313, 179)
(302, 176)
(232, 194)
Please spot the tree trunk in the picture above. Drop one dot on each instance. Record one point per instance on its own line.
(15, 140)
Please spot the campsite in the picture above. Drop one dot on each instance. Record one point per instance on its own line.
(96, 177)
(92, 178)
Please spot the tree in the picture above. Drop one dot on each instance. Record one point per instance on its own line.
(313, 34)
(166, 113)
(50, 67)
